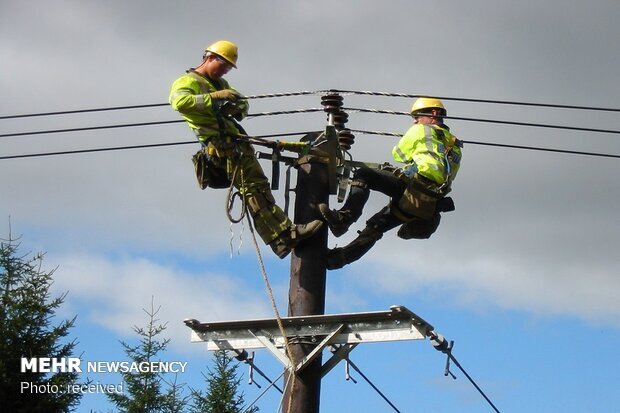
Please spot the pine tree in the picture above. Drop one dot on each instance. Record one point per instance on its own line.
(27, 331)
(145, 393)
(222, 395)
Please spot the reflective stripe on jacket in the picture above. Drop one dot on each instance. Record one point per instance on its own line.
(430, 150)
(189, 96)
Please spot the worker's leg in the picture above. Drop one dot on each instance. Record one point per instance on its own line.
(271, 223)
(364, 180)
(376, 226)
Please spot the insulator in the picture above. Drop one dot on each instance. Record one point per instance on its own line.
(332, 103)
(345, 139)
(340, 118)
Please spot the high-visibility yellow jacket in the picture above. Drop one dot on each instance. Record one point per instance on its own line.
(190, 96)
(430, 150)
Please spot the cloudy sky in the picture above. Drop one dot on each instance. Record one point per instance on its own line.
(523, 275)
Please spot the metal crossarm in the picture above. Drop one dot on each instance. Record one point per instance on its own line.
(397, 323)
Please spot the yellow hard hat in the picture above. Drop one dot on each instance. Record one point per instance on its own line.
(227, 50)
(426, 103)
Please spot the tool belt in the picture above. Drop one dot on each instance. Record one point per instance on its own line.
(210, 170)
(420, 197)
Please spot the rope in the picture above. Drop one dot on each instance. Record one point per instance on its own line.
(274, 305)
(230, 201)
(230, 198)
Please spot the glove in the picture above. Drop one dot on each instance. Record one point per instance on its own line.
(242, 110)
(238, 110)
(226, 94)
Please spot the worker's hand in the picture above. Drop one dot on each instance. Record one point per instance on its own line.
(242, 110)
(238, 109)
(230, 95)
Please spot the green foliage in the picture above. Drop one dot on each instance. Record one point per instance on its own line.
(144, 389)
(222, 395)
(27, 330)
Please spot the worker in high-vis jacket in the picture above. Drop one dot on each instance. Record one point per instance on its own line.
(212, 109)
(417, 191)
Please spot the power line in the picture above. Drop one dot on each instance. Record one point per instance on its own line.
(72, 112)
(375, 388)
(88, 128)
(440, 343)
(131, 125)
(500, 145)
(295, 111)
(148, 105)
(475, 100)
(503, 122)
(144, 146)
(117, 148)
(317, 92)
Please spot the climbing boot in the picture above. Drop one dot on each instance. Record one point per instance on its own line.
(300, 232)
(289, 239)
(280, 248)
(338, 222)
(339, 257)
(335, 259)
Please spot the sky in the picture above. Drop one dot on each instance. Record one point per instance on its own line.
(522, 276)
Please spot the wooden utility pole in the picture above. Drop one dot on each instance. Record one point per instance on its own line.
(316, 180)
(307, 285)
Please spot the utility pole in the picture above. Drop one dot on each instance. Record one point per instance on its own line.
(316, 180)
(307, 285)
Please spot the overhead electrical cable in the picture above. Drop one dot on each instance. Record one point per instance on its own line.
(155, 145)
(503, 122)
(87, 128)
(72, 112)
(475, 100)
(148, 105)
(500, 145)
(317, 92)
(130, 125)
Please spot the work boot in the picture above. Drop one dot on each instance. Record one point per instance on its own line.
(338, 222)
(289, 239)
(339, 257)
(280, 248)
(300, 232)
(335, 259)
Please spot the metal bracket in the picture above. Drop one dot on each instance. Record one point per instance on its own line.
(332, 150)
(275, 169)
(318, 349)
(269, 345)
(339, 353)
